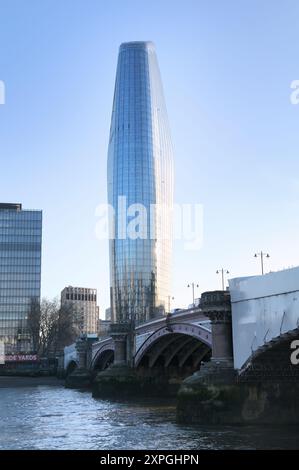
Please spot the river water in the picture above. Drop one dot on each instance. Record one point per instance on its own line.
(52, 417)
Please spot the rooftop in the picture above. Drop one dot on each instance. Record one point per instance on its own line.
(137, 45)
(10, 206)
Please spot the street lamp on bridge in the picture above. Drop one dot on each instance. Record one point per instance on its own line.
(170, 298)
(262, 255)
(222, 271)
(193, 285)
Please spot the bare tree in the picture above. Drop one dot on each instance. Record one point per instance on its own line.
(66, 330)
(51, 326)
(33, 323)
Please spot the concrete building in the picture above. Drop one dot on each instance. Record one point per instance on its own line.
(86, 310)
(20, 273)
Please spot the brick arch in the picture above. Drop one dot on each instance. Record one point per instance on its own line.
(164, 336)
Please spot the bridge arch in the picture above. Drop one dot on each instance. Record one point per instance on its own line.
(102, 354)
(71, 366)
(177, 347)
(272, 359)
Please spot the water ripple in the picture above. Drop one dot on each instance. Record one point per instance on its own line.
(52, 417)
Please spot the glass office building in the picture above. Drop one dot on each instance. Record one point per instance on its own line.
(140, 178)
(20, 273)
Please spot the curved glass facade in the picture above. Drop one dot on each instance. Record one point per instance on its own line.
(140, 170)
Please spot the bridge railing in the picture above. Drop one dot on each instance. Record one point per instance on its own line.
(187, 314)
(102, 339)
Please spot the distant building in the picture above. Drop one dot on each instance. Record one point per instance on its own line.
(103, 327)
(108, 314)
(20, 273)
(84, 301)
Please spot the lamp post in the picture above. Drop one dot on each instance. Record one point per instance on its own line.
(193, 285)
(222, 271)
(262, 255)
(170, 298)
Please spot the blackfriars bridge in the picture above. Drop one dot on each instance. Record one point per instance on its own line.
(228, 360)
(176, 343)
(251, 326)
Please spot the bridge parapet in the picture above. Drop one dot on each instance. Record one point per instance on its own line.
(192, 315)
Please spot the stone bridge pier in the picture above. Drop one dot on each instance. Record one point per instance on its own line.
(78, 374)
(259, 393)
(120, 333)
(118, 380)
(216, 306)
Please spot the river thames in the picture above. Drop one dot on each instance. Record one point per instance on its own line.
(52, 417)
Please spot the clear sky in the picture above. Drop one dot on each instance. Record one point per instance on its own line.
(226, 67)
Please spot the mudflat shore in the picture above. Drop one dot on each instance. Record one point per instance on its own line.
(12, 382)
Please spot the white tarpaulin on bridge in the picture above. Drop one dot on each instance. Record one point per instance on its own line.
(263, 307)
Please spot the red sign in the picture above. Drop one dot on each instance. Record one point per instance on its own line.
(21, 358)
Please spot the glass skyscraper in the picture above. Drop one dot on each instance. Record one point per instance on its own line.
(140, 172)
(20, 273)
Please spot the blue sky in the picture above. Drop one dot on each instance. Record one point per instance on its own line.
(226, 69)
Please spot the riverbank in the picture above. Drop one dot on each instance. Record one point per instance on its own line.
(17, 382)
